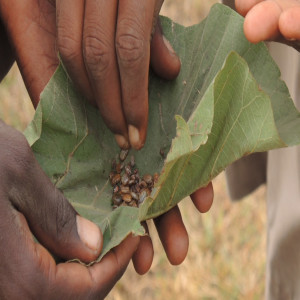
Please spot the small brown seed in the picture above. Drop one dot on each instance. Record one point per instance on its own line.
(132, 161)
(137, 188)
(148, 178)
(150, 186)
(147, 191)
(127, 198)
(128, 170)
(118, 168)
(132, 203)
(143, 184)
(134, 196)
(117, 199)
(125, 189)
(131, 182)
(111, 176)
(155, 177)
(125, 179)
(142, 197)
(116, 179)
(123, 154)
(116, 189)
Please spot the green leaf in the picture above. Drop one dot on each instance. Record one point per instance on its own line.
(227, 102)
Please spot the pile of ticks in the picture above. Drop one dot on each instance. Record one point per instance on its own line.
(129, 187)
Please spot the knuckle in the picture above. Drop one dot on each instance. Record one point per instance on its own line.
(68, 47)
(65, 218)
(97, 55)
(130, 42)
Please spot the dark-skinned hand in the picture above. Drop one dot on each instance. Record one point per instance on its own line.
(29, 203)
(94, 48)
(105, 47)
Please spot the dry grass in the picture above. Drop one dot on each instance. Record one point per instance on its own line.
(226, 258)
(187, 12)
(15, 105)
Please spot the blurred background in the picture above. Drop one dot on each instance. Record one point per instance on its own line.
(226, 258)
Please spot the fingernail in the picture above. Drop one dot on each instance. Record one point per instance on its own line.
(134, 137)
(122, 141)
(89, 233)
(168, 45)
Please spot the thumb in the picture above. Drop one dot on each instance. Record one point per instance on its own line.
(50, 216)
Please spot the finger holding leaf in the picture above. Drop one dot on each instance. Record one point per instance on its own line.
(105, 47)
(30, 204)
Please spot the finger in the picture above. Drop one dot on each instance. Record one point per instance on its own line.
(134, 27)
(30, 264)
(173, 235)
(243, 6)
(50, 216)
(97, 280)
(114, 263)
(101, 64)
(289, 23)
(164, 60)
(261, 23)
(69, 23)
(143, 256)
(203, 198)
(23, 260)
(56, 224)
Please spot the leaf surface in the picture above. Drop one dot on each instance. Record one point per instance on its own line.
(227, 102)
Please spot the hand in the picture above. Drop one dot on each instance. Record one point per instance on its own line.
(30, 204)
(277, 20)
(172, 233)
(105, 47)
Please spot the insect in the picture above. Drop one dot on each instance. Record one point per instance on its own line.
(129, 189)
(123, 154)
